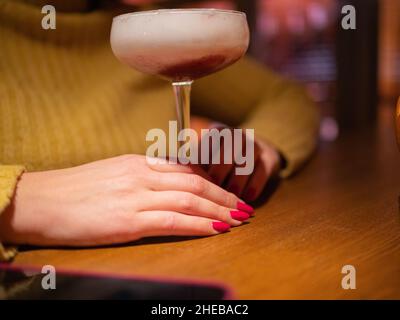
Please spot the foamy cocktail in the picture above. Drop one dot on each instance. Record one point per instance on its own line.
(180, 45)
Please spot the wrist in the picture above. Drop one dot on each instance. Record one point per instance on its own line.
(8, 217)
(6, 222)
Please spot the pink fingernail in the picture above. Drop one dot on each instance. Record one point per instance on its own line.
(221, 226)
(239, 215)
(241, 206)
(250, 194)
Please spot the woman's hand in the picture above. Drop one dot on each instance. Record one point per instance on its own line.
(117, 200)
(267, 163)
(248, 187)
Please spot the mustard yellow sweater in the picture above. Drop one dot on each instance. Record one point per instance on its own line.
(65, 99)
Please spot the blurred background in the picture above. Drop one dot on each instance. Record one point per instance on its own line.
(349, 73)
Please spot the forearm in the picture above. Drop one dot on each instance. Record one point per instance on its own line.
(289, 121)
(250, 96)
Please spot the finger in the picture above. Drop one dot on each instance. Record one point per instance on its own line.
(197, 185)
(188, 203)
(166, 166)
(257, 181)
(170, 223)
(221, 158)
(237, 183)
(220, 171)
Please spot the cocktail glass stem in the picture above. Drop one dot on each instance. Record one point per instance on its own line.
(182, 101)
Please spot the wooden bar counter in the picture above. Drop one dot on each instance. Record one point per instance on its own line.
(342, 209)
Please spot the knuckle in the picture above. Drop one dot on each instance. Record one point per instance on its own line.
(221, 213)
(132, 168)
(229, 199)
(197, 184)
(127, 159)
(187, 202)
(121, 185)
(128, 165)
(169, 221)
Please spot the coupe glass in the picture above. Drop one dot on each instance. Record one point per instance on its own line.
(180, 45)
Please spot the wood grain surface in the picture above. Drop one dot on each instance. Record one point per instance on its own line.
(343, 208)
(398, 122)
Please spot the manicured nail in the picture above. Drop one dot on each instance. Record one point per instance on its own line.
(234, 188)
(240, 215)
(250, 194)
(241, 206)
(221, 226)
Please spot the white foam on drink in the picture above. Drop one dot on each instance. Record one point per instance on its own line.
(152, 41)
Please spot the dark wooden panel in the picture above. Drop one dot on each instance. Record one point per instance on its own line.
(357, 67)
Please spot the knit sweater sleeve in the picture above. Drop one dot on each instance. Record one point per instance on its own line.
(250, 96)
(9, 175)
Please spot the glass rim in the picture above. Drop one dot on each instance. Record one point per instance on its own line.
(179, 10)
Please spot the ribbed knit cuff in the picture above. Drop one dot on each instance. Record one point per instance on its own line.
(9, 176)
